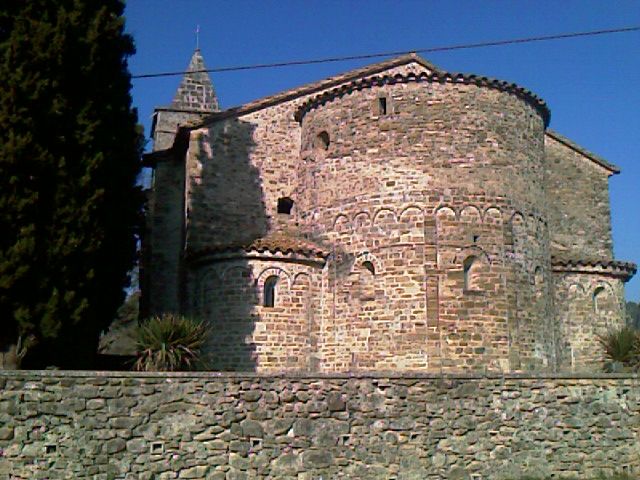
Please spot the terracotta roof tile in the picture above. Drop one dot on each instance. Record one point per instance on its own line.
(278, 241)
(626, 270)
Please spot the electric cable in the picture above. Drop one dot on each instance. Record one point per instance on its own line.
(495, 43)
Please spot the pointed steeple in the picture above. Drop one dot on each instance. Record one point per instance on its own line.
(196, 90)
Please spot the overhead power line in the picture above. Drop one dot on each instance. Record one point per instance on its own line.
(496, 43)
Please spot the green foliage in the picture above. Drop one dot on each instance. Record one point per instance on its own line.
(633, 315)
(170, 343)
(69, 158)
(622, 347)
(119, 339)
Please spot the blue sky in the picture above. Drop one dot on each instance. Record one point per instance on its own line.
(591, 84)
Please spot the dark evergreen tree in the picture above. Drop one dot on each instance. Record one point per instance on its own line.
(633, 315)
(69, 156)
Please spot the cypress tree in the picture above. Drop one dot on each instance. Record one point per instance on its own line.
(69, 157)
(633, 315)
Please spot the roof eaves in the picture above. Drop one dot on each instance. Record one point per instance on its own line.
(441, 77)
(614, 169)
(618, 268)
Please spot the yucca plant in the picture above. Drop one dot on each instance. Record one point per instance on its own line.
(169, 343)
(621, 346)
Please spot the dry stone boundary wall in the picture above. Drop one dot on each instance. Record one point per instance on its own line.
(92, 425)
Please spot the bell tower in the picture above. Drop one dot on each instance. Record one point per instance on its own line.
(163, 241)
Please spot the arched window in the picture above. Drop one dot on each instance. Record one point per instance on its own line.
(322, 141)
(538, 281)
(470, 272)
(599, 295)
(369, 266)
(285, 205)
(367, 274)
(269, 292)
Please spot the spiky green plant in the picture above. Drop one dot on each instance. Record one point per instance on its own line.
(170, 343)
(622, 346)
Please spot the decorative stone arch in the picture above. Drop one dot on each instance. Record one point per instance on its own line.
(298, 279)
(385, 221)
(474, 262)
(470, 214)
(517, 218)
(603, 299)
(341, 224)
(366, 268)
(576, 290)
(271, 272)
(472, 251)
(207, 280)
(411, 224)
(492, 215)
(411, 207)
(445, 211)
(267, 282)
(366, 257)
(517, 228)
(232, 268)
(446, 221)
(361, 220)
(384, 213)
(301, 295)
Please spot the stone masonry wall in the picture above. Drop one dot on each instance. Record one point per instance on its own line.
(245, 334)
(72, 425)
(578, 192)
(237, 168)
(441, 206)
(431, 181)
(589, 304)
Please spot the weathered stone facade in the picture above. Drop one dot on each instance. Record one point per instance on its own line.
(396, 217)
(87, 425)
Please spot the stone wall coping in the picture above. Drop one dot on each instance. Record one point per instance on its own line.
(317, 376)
(610, 167)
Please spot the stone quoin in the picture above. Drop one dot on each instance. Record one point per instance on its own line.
(393, 218)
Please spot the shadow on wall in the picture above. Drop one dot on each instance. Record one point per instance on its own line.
(225, 211)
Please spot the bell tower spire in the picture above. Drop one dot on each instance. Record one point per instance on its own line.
(196, 92)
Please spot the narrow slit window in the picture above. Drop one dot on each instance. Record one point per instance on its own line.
(598, 296)
(269, 299)
(468, 268)
(285, 205)
(382, 105)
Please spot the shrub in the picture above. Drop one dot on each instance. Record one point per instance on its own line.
(621, 347)
(170, 343)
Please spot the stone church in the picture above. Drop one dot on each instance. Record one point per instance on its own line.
(396, 217)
